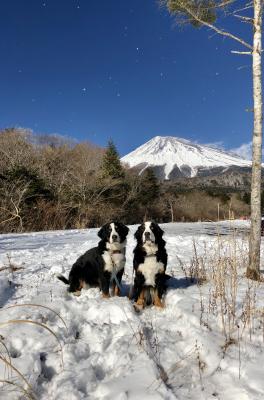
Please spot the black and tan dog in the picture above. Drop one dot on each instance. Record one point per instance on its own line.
(97, 265)
(150, 262)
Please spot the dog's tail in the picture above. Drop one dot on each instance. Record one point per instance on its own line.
(63, 279)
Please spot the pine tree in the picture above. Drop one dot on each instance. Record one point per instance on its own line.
(111, 165)
(150, 188)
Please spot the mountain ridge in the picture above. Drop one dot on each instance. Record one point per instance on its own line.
(173, 157)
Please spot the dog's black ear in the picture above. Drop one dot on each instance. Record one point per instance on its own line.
(122, 230)
(157, 230)
(125, 229)
(103, 231)
(138, 233)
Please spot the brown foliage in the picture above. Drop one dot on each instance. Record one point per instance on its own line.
(47, 182)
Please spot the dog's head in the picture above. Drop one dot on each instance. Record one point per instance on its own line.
(113, 232)
(149, 232)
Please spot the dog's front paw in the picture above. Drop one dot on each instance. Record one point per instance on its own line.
(116, 291)
(138, 307)
(158, 303)
(77, 293)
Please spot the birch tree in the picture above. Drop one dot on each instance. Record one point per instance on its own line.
(205, 13)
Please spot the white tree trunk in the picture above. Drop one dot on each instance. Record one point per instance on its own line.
(253, 269)
(172, 211)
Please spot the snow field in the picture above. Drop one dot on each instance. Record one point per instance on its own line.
(109, 351)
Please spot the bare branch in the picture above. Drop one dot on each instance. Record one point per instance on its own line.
(247, 7)
(224, 4)
(248, 53)
(214, 28)
(244, 19)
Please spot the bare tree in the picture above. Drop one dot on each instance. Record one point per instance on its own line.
(15, 148)
(253, 270)
(204, 13)
(12, 199)
(170, 200)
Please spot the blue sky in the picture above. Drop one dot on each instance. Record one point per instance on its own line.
(94, 69)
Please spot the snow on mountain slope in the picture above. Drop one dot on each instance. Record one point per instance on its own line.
(111, 352)
(171, 152)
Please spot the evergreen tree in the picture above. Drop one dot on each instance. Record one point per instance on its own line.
(150, 187)
(111, 165)
(246, 197)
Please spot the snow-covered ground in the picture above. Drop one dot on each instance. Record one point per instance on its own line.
(111, 352)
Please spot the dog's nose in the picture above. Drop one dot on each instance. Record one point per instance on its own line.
(114, 237)
(147, 235)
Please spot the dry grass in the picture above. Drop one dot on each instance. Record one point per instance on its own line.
(196, 270)
(10, 267)
(11, 373)
(38, 306)
(27, 394)
(29, 390)
(10, 370)
(228, 300)
(28, 321)
(222, 268)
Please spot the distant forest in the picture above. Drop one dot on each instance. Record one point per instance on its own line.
(50, 182)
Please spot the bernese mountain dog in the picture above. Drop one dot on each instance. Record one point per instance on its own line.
(150, 262)
(102, 264)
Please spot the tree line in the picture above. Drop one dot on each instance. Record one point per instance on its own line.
(47, 182)
(50, 182)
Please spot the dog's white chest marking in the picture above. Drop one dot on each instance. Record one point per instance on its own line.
(150, 248)
(150, 268)
(114, 261)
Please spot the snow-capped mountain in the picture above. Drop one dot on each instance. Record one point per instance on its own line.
(174, 157)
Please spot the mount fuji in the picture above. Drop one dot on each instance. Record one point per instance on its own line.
(173, 157)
